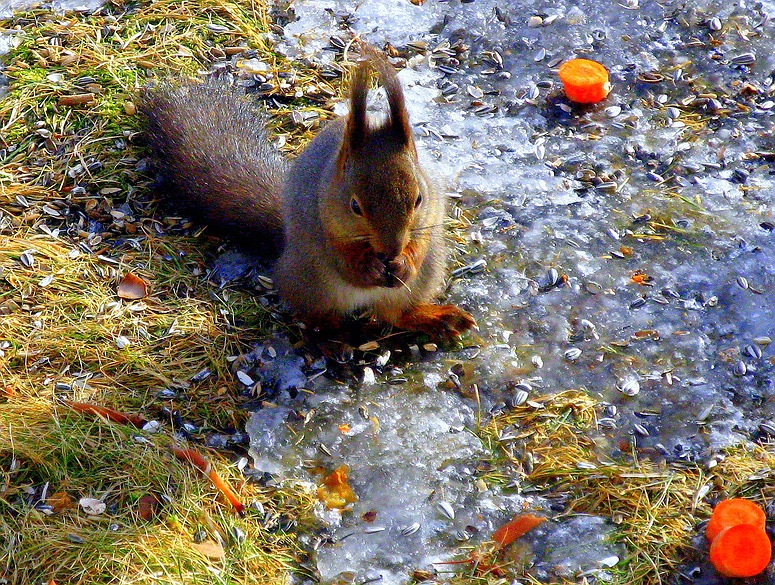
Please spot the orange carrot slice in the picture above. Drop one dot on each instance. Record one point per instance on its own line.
(734, 511)
(743, 550)
(585, 81)
(519, 525)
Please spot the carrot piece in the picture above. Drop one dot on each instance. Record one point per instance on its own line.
(197, 460)
(516, 527)
(734, 511)
(335, 491)
(108, 413)
(743, 550)
(585, 81)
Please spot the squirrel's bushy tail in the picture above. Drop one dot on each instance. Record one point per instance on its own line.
(214, 155)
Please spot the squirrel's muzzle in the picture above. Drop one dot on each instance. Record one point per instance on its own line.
(397, 271)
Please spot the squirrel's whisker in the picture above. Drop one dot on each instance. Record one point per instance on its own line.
(406, 286)
(427, 227)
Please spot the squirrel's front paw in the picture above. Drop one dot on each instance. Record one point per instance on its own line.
(439, 321)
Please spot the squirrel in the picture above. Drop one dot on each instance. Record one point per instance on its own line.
(352, 224)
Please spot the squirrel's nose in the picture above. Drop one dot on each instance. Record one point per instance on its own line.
(388, 255)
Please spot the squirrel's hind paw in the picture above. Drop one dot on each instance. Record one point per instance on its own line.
(438, 321)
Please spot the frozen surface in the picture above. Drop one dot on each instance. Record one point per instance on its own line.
(8, 7)
(395, 436)
(669, 181)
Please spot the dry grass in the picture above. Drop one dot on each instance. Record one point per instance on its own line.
(75, 216)
(656, 506)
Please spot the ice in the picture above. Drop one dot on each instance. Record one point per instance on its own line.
(8, 7)
(408, 448)
(518, 169)
(579, 545)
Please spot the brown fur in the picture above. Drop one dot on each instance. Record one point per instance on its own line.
(360, 221)
(217, 162)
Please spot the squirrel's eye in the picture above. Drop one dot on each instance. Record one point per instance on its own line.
(355, 206)
(418, 201)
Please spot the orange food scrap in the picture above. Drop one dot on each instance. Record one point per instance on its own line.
(335, 492)
(731, 512)
(197, 460)
(642, 278)
(585, 81)
(344, 428)
(108, 413)
(743, 550)
(519, 525)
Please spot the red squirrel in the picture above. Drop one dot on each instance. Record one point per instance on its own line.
(353, 223)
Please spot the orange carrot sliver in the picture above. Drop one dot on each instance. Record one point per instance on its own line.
(743, 550)
(731, 512)
(585, 81)
(197, 460)
(108, 413)
(519, 525)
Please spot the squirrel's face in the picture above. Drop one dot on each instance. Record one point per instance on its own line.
(379, 211)
(384, 215)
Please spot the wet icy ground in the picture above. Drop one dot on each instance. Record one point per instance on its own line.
(7, 7)
(668, 181)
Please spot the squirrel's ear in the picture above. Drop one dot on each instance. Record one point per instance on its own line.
(399, 117)
(357, 129)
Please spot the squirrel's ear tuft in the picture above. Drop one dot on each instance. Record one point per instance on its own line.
(357, 129)
(399, 117)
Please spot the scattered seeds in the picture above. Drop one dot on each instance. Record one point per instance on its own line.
(446, 509)
(245, 379)
(572, 354)
(629, 387)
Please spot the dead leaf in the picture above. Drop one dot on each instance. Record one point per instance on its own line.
(78, 99)
(60, 502)
(369, 516)
(132, 287)
(148, 506)
(210, 549)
